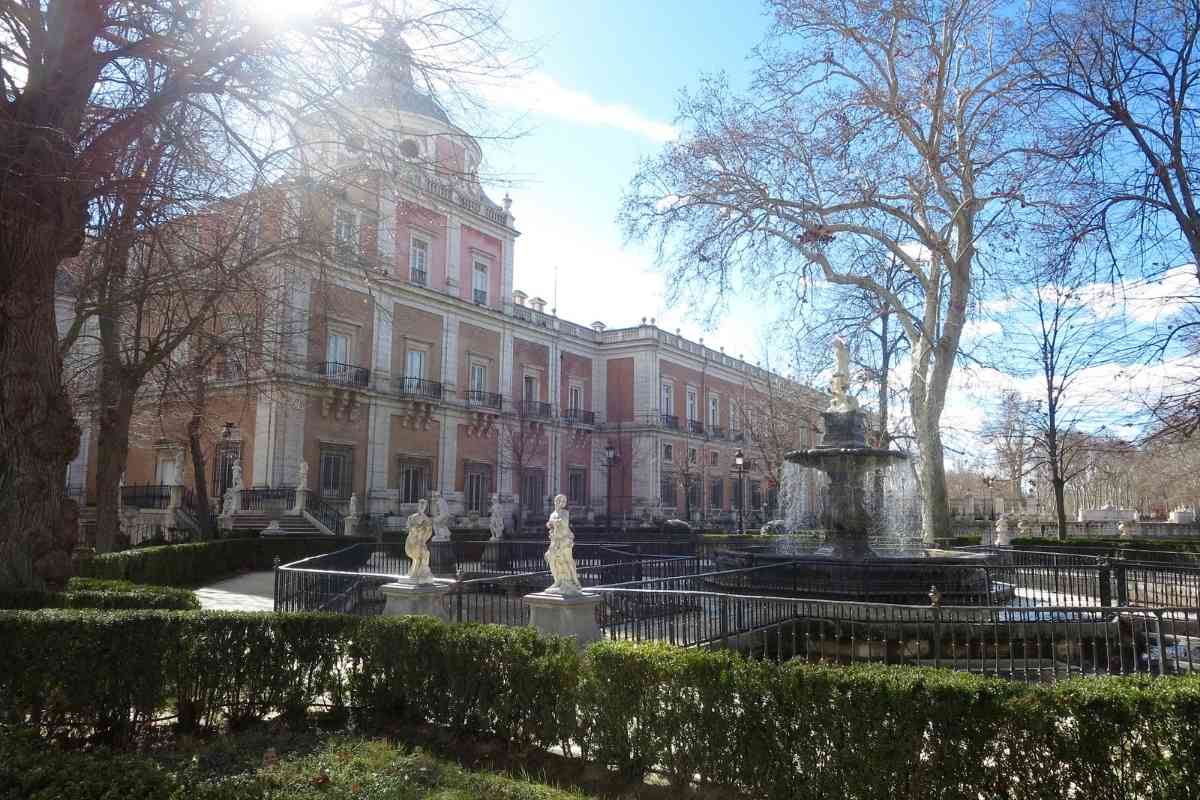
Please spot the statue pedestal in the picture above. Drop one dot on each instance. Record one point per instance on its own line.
(406, 598)
(570, 615)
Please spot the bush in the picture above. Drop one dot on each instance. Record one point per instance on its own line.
(102, 594)
(198, 563)
(768, 730)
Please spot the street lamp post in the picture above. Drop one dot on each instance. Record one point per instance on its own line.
(988, 482)
(611, 458)
(739, 464)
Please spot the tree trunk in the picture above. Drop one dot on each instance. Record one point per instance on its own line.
(115, 402)
(38, 434)
(1060, 506)
(935, 509)
(199, 485)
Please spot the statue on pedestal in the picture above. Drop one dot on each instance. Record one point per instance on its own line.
(416, 545)
(441, 518)
(560, 555)
(496, 519)
(237, 476)
(352, 510)
(1004, 530)
(839, 387)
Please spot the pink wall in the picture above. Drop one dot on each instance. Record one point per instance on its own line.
(478, 240)
(412, 218)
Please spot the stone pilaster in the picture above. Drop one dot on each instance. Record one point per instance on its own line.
(381, 346)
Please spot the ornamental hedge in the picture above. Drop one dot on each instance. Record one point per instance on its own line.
(200, 562)
(99, 593)
(775, 731)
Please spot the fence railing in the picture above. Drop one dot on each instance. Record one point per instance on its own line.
(418, 387)
(326, 512)
(278, 500)
(533, 408)
(1028, 644)
(146, 495)
(494, 400)
(578, 415)
(345, 374)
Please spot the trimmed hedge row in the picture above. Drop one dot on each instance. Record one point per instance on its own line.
(1173, 545)
(774, 731)
(197, 563)
(96, 593)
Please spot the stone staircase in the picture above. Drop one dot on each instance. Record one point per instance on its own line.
(256, 521)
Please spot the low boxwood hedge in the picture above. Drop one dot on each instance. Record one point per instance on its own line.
(98, 593)
(201, 562)
(776, 731)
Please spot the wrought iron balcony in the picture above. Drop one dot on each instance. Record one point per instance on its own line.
(669, 421)
(716, 432)
(418, 387)
(481, 297)
(578, 415)
(480, 399)
(420, 277)
(533, 408)
(695, 426)
(345, 374)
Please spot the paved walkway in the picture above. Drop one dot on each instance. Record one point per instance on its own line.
(254, 591)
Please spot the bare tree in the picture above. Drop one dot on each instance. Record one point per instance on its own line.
(889, 126)
(522, 446)
(1009, 434)
(1119, 79)
(83, 84)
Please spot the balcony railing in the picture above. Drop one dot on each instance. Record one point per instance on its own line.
(531, 316)
(669, 421)
(695, 426)
(345, 374)
(737, 436)
(579, 416)
(716, 432)
(420, 277)
(480, 399)
(146, 495)
(481, 297)
(418, 387)
(533, 408)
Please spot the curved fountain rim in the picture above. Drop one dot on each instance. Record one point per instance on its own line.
(794, 456)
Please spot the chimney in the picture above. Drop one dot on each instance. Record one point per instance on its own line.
(519, 297)
(538, 304)
(598, 326)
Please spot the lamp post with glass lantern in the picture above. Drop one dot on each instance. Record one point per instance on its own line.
(611, 459)
(739, 464)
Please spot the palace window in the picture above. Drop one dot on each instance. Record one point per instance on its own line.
(692, 457)
(478, 479)
(714, 411)
(414, 479)
(577, 486)
(716, 494)
(669, 497)
(418, 261)
(478, 377)
(668, 453)
(533, 490)
(337, 471)
(480, 284)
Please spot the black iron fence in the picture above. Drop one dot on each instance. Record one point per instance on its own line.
(278, 500)
(418, 387)
(480, 399)
(344, 374)
(146, 495)
(326, 512)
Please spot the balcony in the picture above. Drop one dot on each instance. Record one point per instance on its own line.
(480, 297)
(716, 432)
(533, 408)
(418, 387)
(579, 416)
(669, 421)
(478, 399)
(696, 426)
(343, 374)
(419, 277)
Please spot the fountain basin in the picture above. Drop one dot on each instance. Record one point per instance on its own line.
(962, 579)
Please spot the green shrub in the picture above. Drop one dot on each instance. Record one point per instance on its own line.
(102, 594)
(795, 730)
(197, 563)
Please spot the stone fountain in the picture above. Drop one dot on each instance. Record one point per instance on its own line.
(845, 567)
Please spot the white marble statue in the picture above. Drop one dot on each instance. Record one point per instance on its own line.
(352, 511)
(237, 476)
(1127, 529)
(416, 545)
(839, 387)
(1004, 530)
(302, 475)
(496, 519)
(560, 555)
(441, 518)
(227, 508)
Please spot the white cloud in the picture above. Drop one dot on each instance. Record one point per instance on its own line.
(1143, 301)
(981, 329)
(538, 93)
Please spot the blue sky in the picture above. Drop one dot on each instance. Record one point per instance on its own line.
(600, 96)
